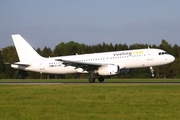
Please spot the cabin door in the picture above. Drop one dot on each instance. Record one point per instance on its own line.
(42, 65)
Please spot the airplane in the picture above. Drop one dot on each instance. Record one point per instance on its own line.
(103, 64)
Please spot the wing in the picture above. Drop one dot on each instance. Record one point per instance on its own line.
(86, 66)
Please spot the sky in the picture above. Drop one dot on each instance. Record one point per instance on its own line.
(50, 22)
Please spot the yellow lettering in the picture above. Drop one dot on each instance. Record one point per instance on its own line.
(137, 52)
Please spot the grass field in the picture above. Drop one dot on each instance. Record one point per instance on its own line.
(90, 101)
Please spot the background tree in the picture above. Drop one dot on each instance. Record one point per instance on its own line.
(46, 52)
(176, 51)
(166, 46)
(2, 66)
(9, 55)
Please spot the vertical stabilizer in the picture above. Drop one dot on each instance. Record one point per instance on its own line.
(24, 50)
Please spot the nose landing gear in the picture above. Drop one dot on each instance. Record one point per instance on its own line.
(152, 71)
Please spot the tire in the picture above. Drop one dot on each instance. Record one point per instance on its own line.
(91, 79)
(101, 79)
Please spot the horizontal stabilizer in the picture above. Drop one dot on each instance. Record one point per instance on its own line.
(22, 64)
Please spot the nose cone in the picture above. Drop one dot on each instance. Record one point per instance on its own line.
(171, 58)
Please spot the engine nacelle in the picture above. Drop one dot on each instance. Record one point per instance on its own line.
(108, 70)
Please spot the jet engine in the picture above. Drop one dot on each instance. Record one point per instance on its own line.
(108, 70)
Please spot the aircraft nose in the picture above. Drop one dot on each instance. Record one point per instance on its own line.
(172, 58)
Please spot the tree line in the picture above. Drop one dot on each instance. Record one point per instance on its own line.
(8, 54)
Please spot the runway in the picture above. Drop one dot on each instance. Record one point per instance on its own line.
(86, 83)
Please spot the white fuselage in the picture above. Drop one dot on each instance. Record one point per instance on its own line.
(124, 59)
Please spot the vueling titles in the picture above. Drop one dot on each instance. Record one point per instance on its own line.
(128, 53)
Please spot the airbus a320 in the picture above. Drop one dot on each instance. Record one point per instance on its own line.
(103, 64)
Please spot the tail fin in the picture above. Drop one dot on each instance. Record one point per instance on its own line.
(24, 50)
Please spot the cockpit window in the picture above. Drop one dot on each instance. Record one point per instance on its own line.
(162, 53)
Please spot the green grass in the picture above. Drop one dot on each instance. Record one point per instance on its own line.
(90, 101)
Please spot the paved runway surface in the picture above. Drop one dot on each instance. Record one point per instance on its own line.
(85, 83)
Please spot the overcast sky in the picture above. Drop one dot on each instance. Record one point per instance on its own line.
(49, 22)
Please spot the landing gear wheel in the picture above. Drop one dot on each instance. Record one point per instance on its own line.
(152, 75)
(101, 79)
(152, 71)
(91, 79)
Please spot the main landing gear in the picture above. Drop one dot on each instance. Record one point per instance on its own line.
(101, 79)
(92, 79)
